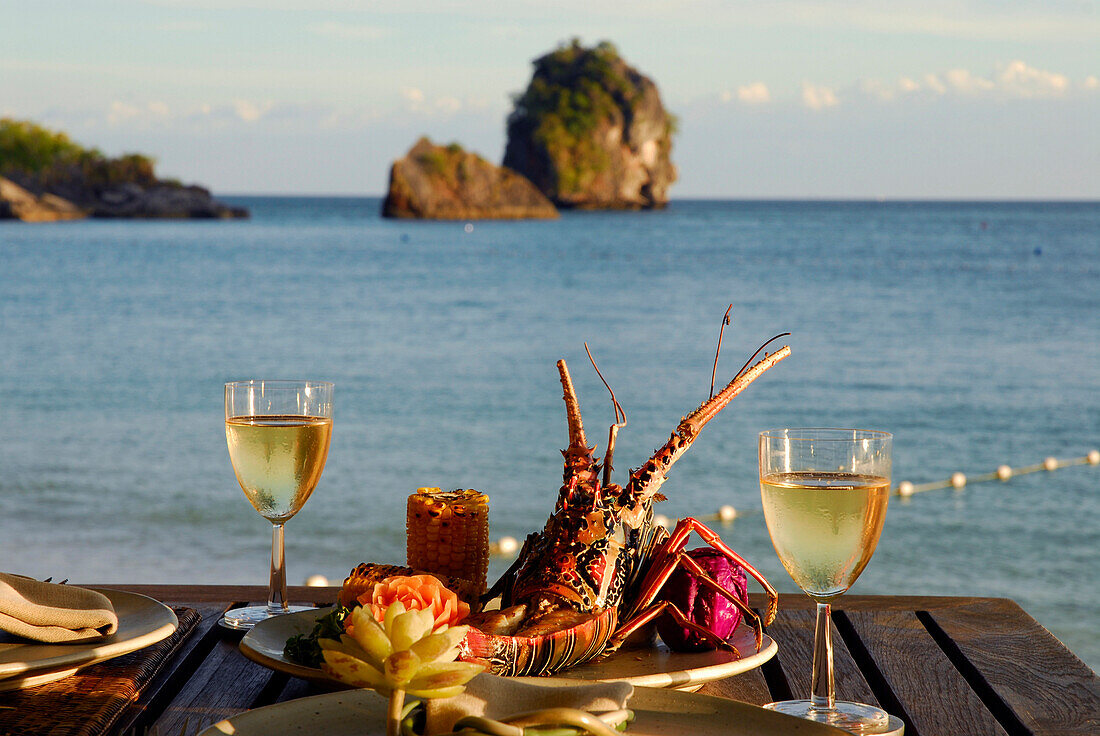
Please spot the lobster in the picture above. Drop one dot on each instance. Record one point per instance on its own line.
(590, 579)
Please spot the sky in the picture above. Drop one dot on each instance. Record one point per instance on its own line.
(926, 99)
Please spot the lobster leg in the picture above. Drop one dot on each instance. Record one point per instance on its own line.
(684, 528)
(666, 559)
(670, 608)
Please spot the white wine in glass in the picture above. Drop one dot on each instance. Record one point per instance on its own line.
(278, 435)
(825, 493)
(824, 526)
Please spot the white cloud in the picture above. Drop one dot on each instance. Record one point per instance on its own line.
(754, 94)
(905, 84)
(418, 103)
(963, 82)
(817, 97)
(119, 113)
(1015, 80)
(347, 31)
(1020, 80)
(249, 111)
(933, 83)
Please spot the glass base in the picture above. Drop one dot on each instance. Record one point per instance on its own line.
(243, 619)
(853, 717)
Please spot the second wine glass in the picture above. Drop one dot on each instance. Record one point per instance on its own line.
(278, 434)
(825, 493)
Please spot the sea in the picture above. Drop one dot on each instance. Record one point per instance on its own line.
(970, 330)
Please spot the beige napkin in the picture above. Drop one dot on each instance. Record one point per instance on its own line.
(499, 697)
(53, 613)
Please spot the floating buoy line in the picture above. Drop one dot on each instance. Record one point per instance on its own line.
(508, 546)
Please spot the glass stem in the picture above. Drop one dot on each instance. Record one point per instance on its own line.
(822, 694)
(276, 597)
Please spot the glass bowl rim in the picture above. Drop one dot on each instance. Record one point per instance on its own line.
(825, 434)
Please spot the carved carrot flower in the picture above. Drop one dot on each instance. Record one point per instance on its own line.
(421, 592)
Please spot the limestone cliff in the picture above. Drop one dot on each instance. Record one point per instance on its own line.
(448, 183)
(590, 131)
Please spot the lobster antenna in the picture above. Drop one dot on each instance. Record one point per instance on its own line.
(758, 350)
(572, 409)
(714, 370)
(613, 431)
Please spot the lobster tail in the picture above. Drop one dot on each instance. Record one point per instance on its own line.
(646, 480)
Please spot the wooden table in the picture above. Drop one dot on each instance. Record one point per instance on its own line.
(946, 666)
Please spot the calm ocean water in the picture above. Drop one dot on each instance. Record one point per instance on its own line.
(971, 331)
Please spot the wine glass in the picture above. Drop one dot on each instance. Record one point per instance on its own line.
(825, 493)
(278, 435)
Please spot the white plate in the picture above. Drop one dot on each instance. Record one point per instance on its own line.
(141, 621)
(656, 713)
(652, 667)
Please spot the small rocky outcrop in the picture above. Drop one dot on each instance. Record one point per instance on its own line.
(53, 169)
(590, 131)
(16, 203)
(137, 196)
(449, 183)
(161, 201)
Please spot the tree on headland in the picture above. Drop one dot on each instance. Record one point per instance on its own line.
(41, 159)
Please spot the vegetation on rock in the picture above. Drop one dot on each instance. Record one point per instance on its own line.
(44, 158)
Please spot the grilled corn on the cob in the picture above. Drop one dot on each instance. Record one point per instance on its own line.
(448, 534)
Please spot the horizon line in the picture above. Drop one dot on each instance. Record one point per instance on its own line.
(862, 199)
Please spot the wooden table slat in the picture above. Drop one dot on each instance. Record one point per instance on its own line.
(175, 673)
(937, 700)
(225, 684)
(1024, 666)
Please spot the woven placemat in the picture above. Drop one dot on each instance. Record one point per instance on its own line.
(91, 701)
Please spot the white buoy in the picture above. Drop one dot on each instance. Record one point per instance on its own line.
(469, 227)
(905, 489)
(508, 545)
(1093, 457)
(727, 513)
(1051, 463)
(661, 520)
(317, 581)
(958, 480)
(1004, 472)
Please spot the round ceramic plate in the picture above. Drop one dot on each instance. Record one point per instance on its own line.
(650, 667)
(656, 713)
(141, 621)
